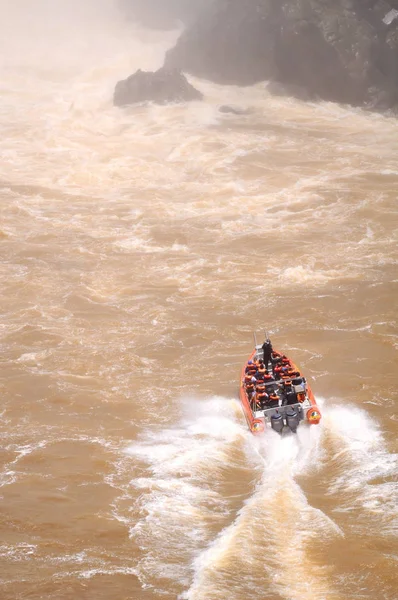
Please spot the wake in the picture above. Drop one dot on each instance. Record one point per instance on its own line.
(220, 508)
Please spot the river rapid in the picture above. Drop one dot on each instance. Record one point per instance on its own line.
(139, 249)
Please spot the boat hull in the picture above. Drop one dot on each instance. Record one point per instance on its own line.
(259, 420)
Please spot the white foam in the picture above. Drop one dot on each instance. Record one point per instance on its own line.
(146, 246)
(8, 478)
(89, 573)
(180, 497)
(364, 466)
(33, 356)
(182, 506)
(19, 552)
(276, 517)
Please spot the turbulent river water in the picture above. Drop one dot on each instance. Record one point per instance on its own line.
(139, 249)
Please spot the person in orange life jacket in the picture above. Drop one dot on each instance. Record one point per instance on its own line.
(251, 367)
(285, 377)
(254, 402)
(260, 371)
(273, 401)
(249, 389)
(284, 372)
(268, 377)
(248, 378)
(265, 401)
(292, 373)
(254, 381)
(267, 352)
(276, 357)
(261, 368)
(261, 399)
(260, 386)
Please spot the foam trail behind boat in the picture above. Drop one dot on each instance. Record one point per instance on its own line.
(219, 508)
(215, 500)
(267, 546)
(183, 502)
(365, 471)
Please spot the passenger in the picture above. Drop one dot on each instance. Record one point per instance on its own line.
(260, 399)
(273, 400)
(253, 404)
(249, 365)
(276, 357)
(292, 373)
(285, 373)
(249, 389)
(261, 368)
(260, 374)
(268, 376)
(264, 401)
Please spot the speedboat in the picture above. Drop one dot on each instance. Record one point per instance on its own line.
(274, 393)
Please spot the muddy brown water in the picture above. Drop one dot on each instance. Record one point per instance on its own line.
(139, 249)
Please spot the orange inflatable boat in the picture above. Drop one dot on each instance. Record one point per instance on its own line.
(274, 393)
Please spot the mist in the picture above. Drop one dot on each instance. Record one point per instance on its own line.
(163, 13)
(64, 39)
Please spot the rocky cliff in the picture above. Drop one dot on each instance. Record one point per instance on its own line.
(339, 50)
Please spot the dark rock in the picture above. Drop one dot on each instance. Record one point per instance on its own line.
(339, 50)
(234, 110)
(161, 87)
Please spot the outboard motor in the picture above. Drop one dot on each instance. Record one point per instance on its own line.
(277, 422)
(292, 419)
